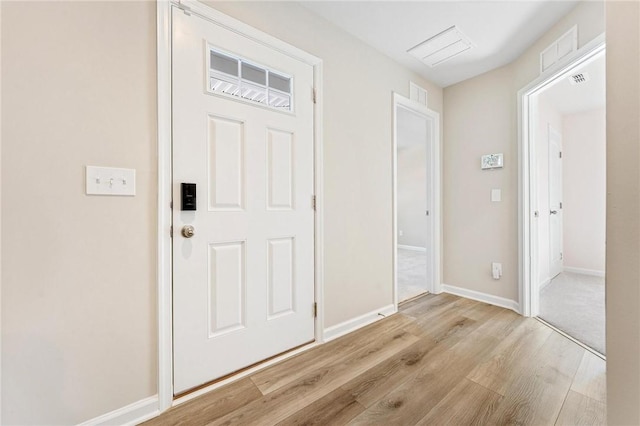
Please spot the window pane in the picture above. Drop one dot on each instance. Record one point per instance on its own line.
(279, 82)
(254, 74)
(220, 62)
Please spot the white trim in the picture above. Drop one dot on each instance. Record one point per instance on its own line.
(165, 338)
(482, 297)
(412, 248)
(527, 253)
(591, 272)
(353, 324)
(244, 373)
(0, 222)
(131, 414)
(319, 194)
(164, 254)
(400, 101)
(239, 27)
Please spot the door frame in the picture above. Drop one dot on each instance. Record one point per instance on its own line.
(527, 166)
(165, 179)
(433, 117)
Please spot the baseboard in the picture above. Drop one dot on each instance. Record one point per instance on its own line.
(348, 326)
(131, 414)
(412, 248)
(582, 271)
(482, 297)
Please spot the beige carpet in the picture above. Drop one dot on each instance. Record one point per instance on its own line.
(412, 273)
(574, 303)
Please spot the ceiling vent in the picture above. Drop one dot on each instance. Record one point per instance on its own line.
(441, 47)
(583, 77)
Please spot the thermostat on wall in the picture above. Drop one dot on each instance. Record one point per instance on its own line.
(492, 161)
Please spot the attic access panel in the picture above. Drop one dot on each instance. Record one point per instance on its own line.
(234, 76)
(442, 47)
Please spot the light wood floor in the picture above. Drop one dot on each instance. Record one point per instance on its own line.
(441, 360)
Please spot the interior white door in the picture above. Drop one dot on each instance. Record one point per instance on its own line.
(555, 202)
(243, 284)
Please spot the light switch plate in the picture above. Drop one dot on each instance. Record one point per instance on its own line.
(110, 181)
(496, 195)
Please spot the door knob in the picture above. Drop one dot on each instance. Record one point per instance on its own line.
(188, 231)
(553, 212)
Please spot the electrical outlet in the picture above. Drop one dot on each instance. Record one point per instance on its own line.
(400, 233)
(496, 270)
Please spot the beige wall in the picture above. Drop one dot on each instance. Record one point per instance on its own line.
(358, 86)
(78, 272)
(584, 189)
(480, 117)
(78, 295)
(477, 231)
(623, 213)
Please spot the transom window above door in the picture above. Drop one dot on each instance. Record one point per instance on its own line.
(234, 76)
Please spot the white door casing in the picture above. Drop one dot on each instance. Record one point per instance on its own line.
(527, 213)
(243, 285)
(432, 186)
(555, 202)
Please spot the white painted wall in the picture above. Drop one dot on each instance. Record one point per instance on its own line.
(412, 179)
(547, 116)
(584, 189)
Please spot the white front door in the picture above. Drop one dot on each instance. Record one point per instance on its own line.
(555, 202)
(243, 284)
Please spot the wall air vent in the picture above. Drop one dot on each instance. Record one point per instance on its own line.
(441, 47)
(582, 77)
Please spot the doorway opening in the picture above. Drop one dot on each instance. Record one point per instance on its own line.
(565, 189)
(415, 200)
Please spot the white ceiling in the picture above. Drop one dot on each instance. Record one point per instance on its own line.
(501, 30)
(567, 98)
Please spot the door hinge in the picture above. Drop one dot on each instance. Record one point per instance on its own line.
(315, 309)
(561, 256)
(560, 154)
(314, 96)
(313, 202)
(171, 232)
(560, 205)
(170, 204)
(427, 212)
(186, 9)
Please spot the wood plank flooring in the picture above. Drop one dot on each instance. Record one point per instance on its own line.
(442, 360)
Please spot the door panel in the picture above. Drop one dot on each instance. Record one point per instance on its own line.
(225, 143)
(243, 285)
